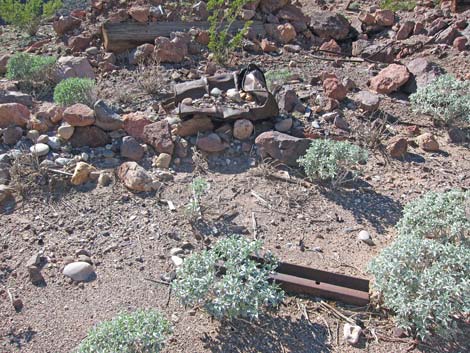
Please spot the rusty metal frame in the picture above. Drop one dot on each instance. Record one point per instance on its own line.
(305, 280)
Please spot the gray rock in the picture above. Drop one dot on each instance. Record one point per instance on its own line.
(54, 142)
(423, 72)
(16, 97)
(39, 149)
(367, 101)
(282, 147)
(330, 25)
(65, 131)
(106, 118)
(284, 125)
(131, 149)
(12, 134)
(365, 237)
(216, 92)
(78, 271)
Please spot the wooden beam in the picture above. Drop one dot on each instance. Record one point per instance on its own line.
(119, 37)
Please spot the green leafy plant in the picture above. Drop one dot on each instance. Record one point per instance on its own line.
(223, 14)
(241, 289)
(424, 276)
(331, 160)
(75, 90)
(276, 78)
(446, 99)
(137, 332)
(398, 5)
(28, 15)
(198, 187)
(34, 73)
(30, 67)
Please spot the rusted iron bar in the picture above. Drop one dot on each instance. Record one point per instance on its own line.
(305, 280)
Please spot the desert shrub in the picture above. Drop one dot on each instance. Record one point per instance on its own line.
(242, 290)
(222, 16)
(331, 160)
(424, 276)
(398, 5)
(27, 15)
(446, 99)
(198, 187)
(137, 332)
(75, 90)
(276, 78)
(30, 67)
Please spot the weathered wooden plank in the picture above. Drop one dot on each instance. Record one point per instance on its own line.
(119, 37)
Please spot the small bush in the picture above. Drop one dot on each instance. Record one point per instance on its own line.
(241, 291)
(198, 187)
(275, 78)
(75, 90)
(28, 15)
(138, 332)
(222, 16)
(398, 5)
(29, 67)
(424, 275)
(446, 99)
(331, 160)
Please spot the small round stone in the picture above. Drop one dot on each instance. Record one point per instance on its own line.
(365, 237)
(39, 149)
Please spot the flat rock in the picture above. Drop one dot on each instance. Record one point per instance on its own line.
(282, 147)
(193, 126)
(134, 124)
(78, 271)
(106, 119)
(79, 115)
(390, 79)
(16, 97)
(367, 101)
(135, 177)
(330, 25)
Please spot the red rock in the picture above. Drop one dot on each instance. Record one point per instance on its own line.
(78, 14)
(334, 89)
(13, 114)
(170, 51)
(65, 24)
(80, 42)
(460, 43)
(134, 124)
(79, 115)
(120, 15)
(366, 17)
(140, 13)
(397, 147)
(50, 112)
(211, 143)
(292, 14)
(413, 130)
(91, 136)
(331, 46)
(158, 135)
(390, 79)
(405, 30)
(428, 142)
(286, 33)
(202, 37)
(384, 18)
(419, 29)
(268, 46)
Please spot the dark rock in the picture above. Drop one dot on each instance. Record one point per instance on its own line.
(131, 149)
(330, 25)
(91, 136)
(106, 118)
(158, 135)
(16, 97)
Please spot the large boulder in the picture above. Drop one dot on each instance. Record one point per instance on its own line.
(330, 25)
(13, 114)
(158, 135)
(135, 177)
(282, 147)
(106, 118)
(170, 51)
(91, 136)
(390, 79)
(73, 66)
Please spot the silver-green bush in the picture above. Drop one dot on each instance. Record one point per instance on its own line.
(242, 290)
(331, 160)
(30, 67)
(137, 332)
(75, 90)
(446, 99)
(424, 276)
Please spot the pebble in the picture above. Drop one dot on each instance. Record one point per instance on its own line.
(216, 92)
(43, 139)
(54, 142)
(177, 261)
(39, 149)
(351, 333)
(33, 135)
(78, 271)
(65, 131)
(365, 237)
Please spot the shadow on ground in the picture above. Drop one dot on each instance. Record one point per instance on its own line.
(271, 335)
(379, 210)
